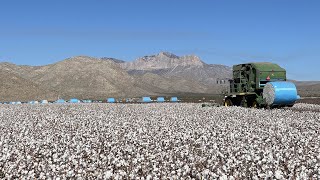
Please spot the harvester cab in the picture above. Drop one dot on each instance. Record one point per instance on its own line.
(260, 85)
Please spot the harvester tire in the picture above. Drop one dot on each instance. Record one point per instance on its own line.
(228, 103)
(254, 105)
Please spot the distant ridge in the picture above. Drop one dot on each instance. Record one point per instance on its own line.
(15, 88)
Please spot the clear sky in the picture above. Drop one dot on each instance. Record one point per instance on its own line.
(287, 32)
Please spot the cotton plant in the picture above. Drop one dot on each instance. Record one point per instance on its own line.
(158, 141)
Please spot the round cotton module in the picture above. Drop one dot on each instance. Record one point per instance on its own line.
(280, 93)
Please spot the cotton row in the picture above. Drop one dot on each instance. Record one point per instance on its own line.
(158, 141)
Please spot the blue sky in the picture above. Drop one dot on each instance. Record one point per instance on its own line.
(287, 32)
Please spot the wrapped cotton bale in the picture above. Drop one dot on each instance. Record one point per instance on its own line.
(280, 93)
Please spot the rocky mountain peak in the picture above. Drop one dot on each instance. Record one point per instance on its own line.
(113, 60)
(163, 60)
(6, 63)
(167, 54)
(192, 60)
(80, 58)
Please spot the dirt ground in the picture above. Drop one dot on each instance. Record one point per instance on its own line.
(315, 100)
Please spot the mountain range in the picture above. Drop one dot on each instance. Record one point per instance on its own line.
(86, 77)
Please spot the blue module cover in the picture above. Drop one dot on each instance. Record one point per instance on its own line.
(60, 101)
(44, 102)
(111, 100)
(146, 99)
(174, 99)
(160, 99)
(285, 93)
(74, 100)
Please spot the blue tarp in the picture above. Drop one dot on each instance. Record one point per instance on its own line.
(160, 99)
(44, 102)
(146, 99)
(111, 100)
(33, 102)
(60, 101)
(174, 99)
(74, 100)
(17, 102)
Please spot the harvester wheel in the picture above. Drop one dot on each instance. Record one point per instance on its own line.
(228, 102)
(254, 105)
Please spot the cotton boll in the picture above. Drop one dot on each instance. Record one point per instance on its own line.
(149, 177)
(223, 177)
(127, 141)
(278, 174)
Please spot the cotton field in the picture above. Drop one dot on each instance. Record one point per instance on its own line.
(158, 141)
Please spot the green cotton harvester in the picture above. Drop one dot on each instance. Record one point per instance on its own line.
(260, 85)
